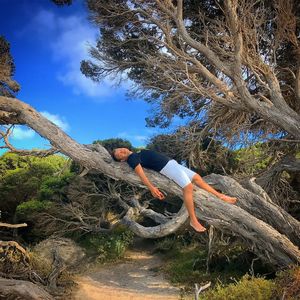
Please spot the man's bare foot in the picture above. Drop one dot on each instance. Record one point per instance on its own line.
(197, 226)
(228, 199)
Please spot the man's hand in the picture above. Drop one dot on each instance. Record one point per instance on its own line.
(157, 193)
(154, 191)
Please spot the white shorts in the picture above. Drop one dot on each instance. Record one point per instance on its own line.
(178, 173)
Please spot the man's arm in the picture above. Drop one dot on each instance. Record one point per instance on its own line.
(154, 190)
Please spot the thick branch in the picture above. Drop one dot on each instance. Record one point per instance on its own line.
(211, 56)
(259, 205)
(12, 225)
(20, 289)
(158, 231)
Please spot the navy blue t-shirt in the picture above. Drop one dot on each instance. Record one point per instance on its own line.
(148, 159)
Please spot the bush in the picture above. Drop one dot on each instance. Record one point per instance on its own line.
(22, 177)
(32, 206)
(41, 265)
(54, 188)
(182, 265)
(43, 268)
(247, 289)
(288, 284)
(187, 262)
(108, 247)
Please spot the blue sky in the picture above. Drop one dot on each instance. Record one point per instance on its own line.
(47, 43)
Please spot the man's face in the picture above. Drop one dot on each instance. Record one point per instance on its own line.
(121, 153)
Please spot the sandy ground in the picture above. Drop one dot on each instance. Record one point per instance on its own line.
(136, 278)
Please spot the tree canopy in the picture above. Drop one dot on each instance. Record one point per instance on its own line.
(7, 85)
(231, 64)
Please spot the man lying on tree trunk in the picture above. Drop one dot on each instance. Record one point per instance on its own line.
(183, 176)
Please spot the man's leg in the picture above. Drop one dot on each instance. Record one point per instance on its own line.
(197, 179)
(189, 204)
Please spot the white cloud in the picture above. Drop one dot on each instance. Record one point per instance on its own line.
(57, 120)
(133, 137)
(69, 41)
(21, 133)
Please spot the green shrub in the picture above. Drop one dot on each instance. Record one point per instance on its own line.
(107, 247)
(32, 206)
(252, 159)
(187, 264)
(22, 177)
(182, 265)
(54, 187)
(246, 288)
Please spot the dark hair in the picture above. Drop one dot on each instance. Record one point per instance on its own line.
(112, 153)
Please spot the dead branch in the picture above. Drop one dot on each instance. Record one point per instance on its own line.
(8, 145)
(12, 225)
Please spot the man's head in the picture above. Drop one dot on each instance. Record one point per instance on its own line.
(121, 154)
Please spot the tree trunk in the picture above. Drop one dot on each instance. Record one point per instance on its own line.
(11, 289)
(266, 241)
(258, 204)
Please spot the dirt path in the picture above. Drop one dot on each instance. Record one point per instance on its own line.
(135, 279)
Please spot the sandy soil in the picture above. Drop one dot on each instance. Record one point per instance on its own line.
(136, 278)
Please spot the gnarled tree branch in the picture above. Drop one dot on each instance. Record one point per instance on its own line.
(264, 239)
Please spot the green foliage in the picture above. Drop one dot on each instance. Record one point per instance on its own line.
(17, 186)
(186, 261)
(11, 161)
(32, 206)
(182, 260)
(181, 267)
(188, 265)
(107, 247)
(246, 288)
(252, 159)
(21, 177)
(54, 187)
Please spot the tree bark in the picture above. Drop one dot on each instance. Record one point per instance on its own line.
(266, 241)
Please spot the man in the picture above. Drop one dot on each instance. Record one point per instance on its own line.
(183, 176)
